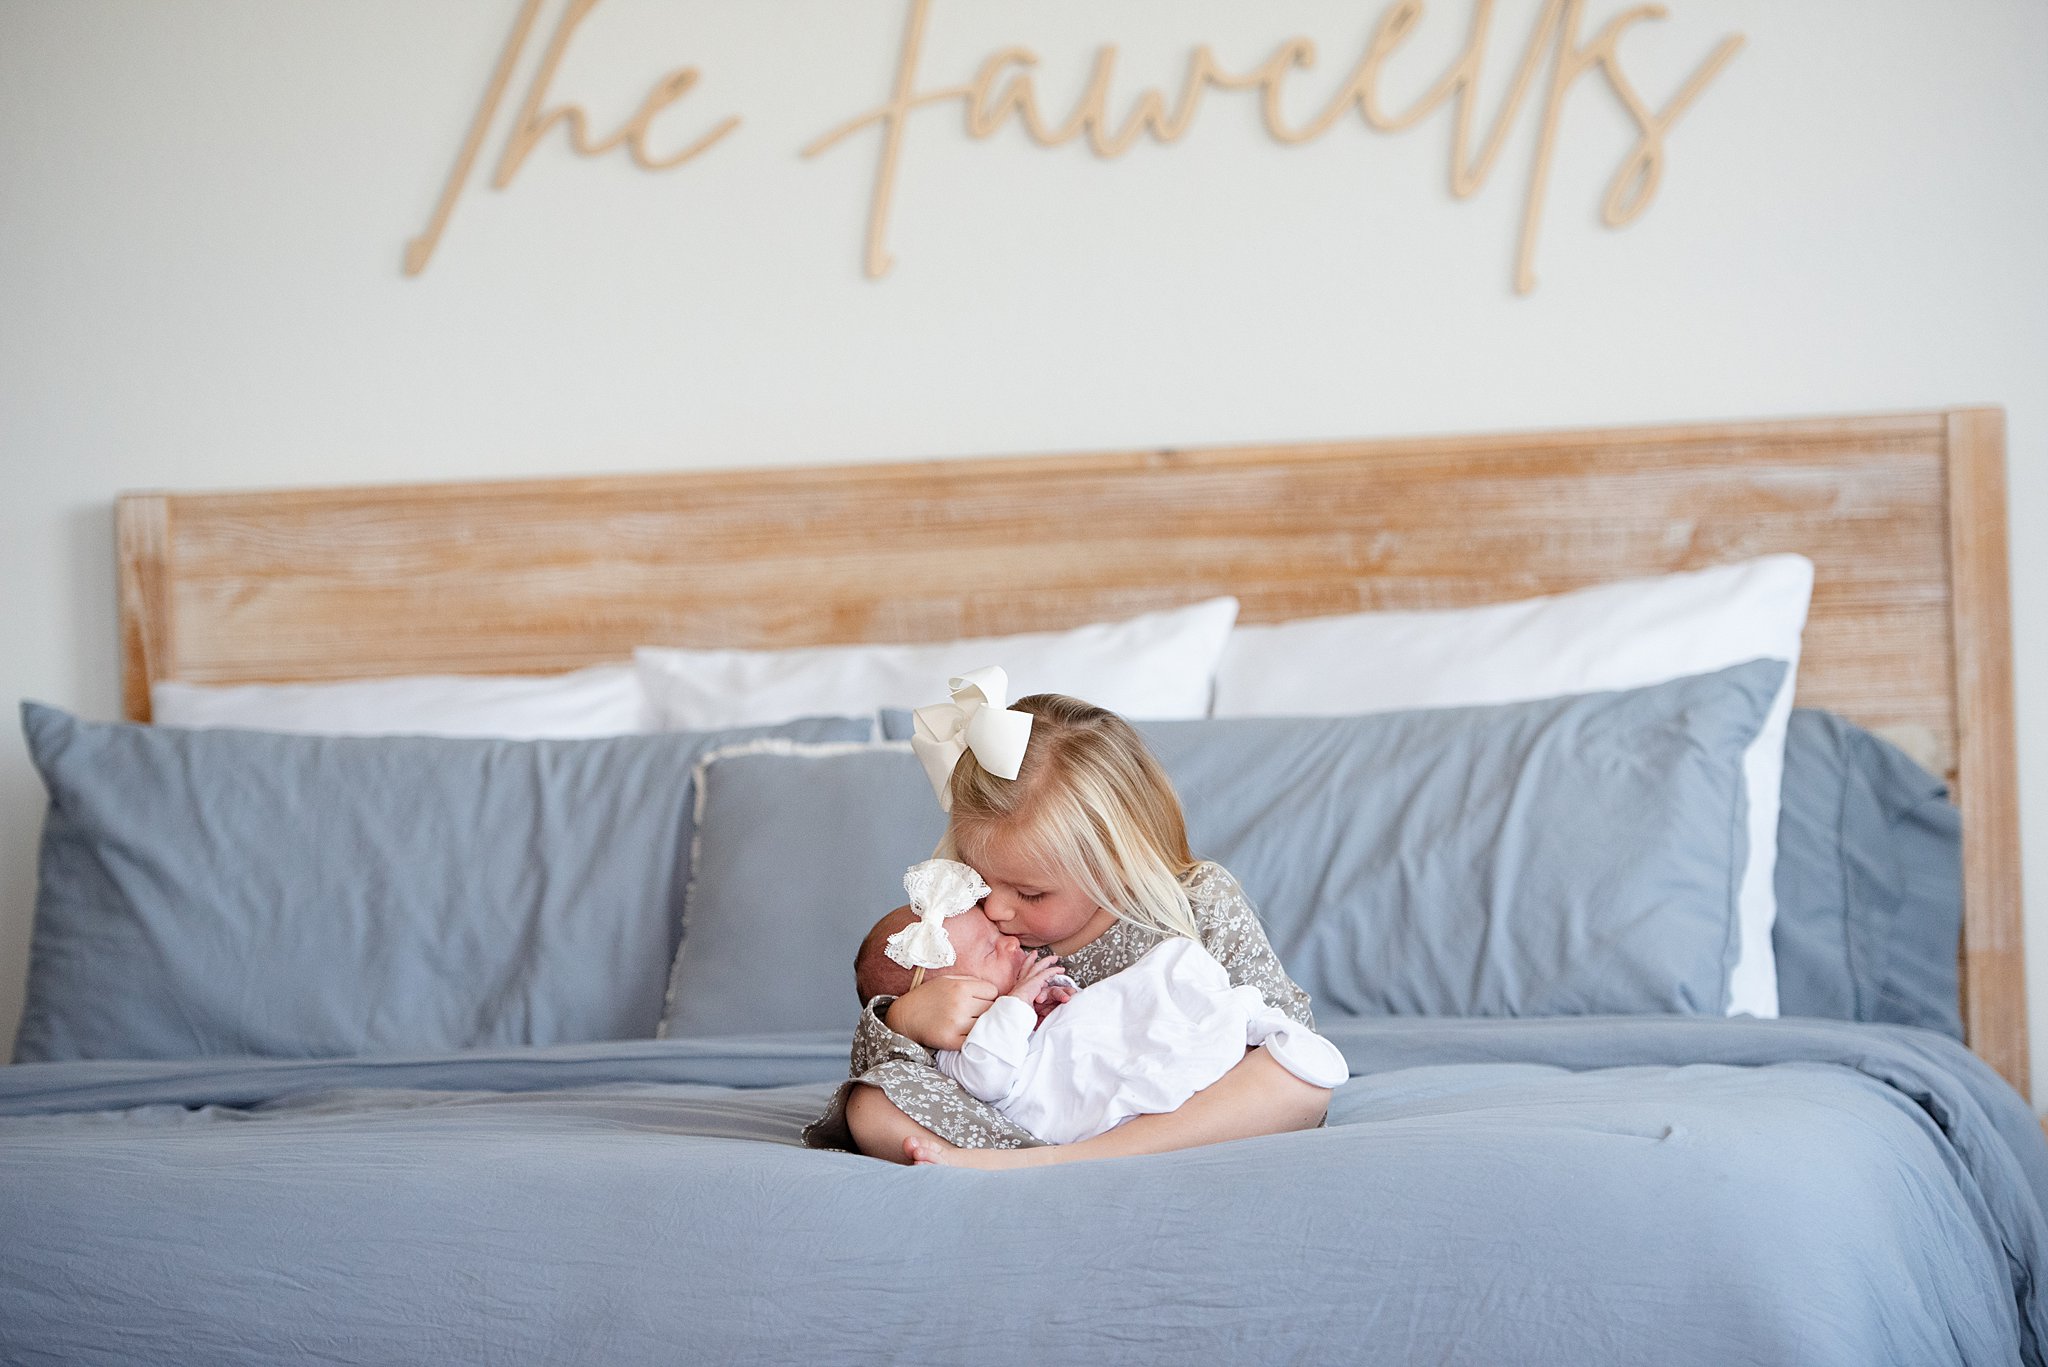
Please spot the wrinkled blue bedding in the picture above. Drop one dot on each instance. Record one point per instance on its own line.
(1572, 1191)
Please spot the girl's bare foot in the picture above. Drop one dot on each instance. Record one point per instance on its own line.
(922, 1149)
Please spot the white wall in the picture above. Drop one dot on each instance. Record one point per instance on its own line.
(203, 204)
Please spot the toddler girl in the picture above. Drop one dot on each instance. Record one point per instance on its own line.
(1085, 852)
(1139, 1042)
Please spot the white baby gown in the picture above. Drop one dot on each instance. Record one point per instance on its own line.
(1139, 1042)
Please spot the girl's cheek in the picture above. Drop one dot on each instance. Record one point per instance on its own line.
(1026, 923)
(1046, 924)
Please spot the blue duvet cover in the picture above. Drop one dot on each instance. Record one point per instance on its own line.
(1668, 1191)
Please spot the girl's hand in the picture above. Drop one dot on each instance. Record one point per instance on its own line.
(939, 1012)
(1033, 987)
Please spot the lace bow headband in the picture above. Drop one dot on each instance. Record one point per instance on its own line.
(938, 888)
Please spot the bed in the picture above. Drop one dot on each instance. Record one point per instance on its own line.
(1580, 1188)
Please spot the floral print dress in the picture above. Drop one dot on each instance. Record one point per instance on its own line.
(903, 1068)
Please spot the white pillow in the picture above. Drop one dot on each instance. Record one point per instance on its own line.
(1623, 635)
(601, 701)
(1159, 666)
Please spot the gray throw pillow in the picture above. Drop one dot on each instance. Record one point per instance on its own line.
(1569, 856)
(800, 850)
(239, 892)
(1869, 881)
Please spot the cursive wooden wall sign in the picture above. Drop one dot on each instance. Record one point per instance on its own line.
(1002, 92)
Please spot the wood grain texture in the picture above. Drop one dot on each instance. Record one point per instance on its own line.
(1902, 514)
(142, 544)
(1987, 790)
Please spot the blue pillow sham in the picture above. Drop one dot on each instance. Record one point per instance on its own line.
(1869, 881)
(1569, 856)
(245, 893)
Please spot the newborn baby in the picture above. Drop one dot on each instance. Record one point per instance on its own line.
(1138, 1042)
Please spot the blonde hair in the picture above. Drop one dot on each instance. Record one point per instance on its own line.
(1090, 803)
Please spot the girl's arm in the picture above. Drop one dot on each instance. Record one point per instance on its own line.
(939, 1011)
(936, 1014)
(1256, 1097)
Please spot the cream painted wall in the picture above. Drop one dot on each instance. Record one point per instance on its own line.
(203, 202)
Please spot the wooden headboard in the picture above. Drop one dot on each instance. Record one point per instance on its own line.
(1903, 516)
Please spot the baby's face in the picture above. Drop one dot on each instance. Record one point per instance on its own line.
(981, 951)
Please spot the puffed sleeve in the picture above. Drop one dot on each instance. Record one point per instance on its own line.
(1231, 931)
(874, 1042)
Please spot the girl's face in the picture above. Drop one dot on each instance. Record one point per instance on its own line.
(1033, 904)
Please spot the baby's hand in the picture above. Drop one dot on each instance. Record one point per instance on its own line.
(1056, 995)
(1035, 986)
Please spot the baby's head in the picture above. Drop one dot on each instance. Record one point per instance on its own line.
(979, 951)
(1090, 821)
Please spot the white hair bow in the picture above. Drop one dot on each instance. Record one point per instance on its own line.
(975, 720)
(938, 888)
